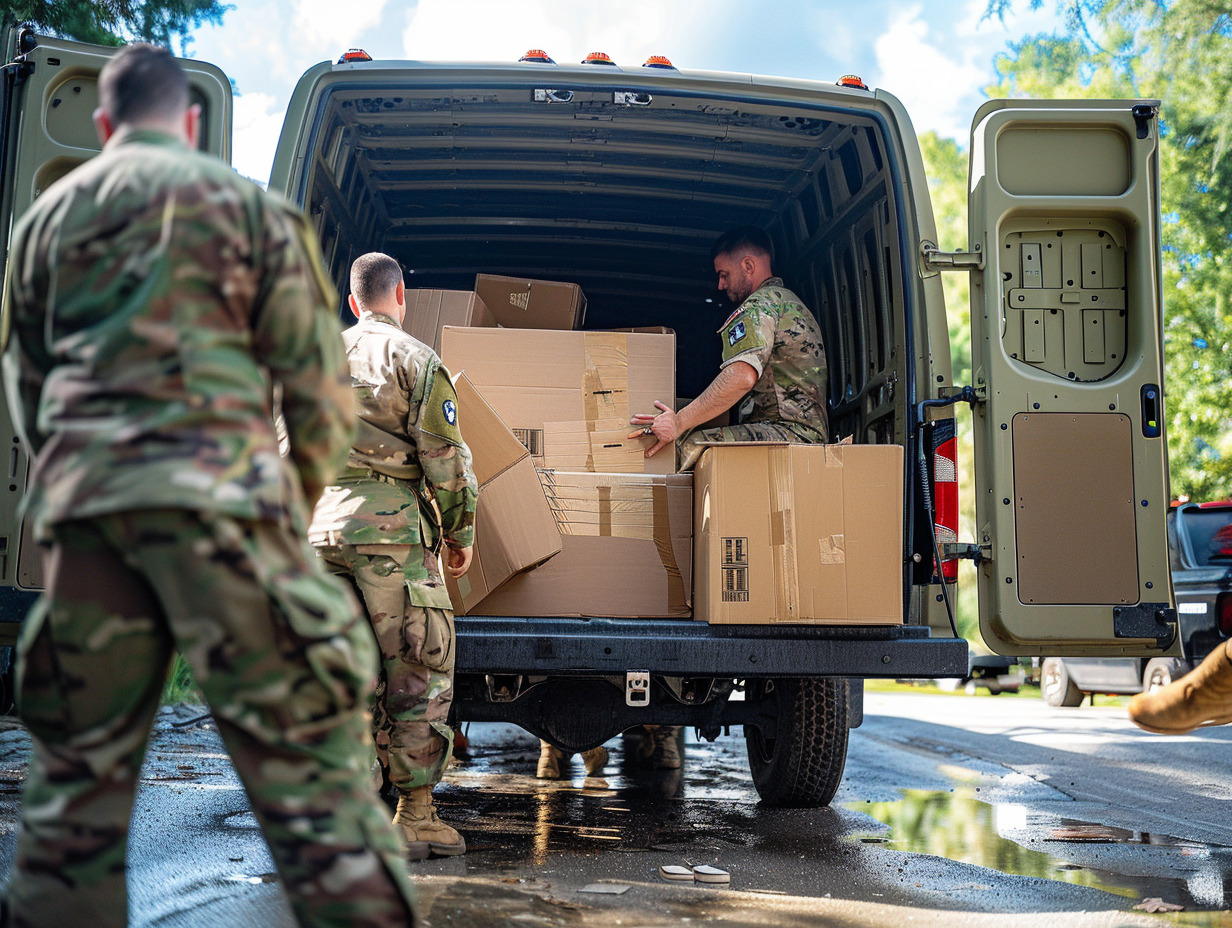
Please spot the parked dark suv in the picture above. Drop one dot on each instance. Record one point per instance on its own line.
(1200, 543)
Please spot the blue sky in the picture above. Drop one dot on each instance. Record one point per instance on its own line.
(936, 57)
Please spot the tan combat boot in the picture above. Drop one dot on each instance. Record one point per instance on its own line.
(550, 759)
(425, 834)
(666, 754)
(1201, 697)
(595, 760)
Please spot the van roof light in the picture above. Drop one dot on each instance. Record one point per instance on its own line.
(537, 54)
(598, 58)
(659, 61)
(353, 54)
(852, 80)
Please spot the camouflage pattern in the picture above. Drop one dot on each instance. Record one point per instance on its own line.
(380, 525)
(690, 448)
(415, 686)
(285, 662)
(156, 303)
(154, 298)
(776, 334)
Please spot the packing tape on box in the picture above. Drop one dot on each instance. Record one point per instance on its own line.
(676, 593)
(605, 383)
(782, 538)
(832, 549)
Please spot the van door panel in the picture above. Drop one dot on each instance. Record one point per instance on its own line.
(1071, 465)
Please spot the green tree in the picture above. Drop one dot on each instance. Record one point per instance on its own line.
(114, 22)
(1181, 53)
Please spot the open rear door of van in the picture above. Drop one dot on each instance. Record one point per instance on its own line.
(50, 92)
(1066, 321)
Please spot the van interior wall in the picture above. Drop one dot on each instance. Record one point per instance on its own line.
(626, 202)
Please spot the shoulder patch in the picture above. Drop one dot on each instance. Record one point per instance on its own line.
(736, 334)
(440, 410)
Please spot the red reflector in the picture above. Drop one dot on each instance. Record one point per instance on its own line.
(598, 58)
(1223, 609)
(658, 61)
(945, 503)
(354, 54)
(1221, 544)
(537, 54)
(852, 80)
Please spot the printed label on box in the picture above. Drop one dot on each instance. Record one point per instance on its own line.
(532, 439)
(734, 567)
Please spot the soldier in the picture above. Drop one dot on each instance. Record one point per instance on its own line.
(774, 363)
(156, 298)
(380, 526)
(773, 374)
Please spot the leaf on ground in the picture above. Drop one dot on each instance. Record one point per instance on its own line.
(1158, 905)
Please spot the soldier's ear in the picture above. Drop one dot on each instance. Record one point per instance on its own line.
(103, 126)
(354, 304)
(749, 264)
(192, 124)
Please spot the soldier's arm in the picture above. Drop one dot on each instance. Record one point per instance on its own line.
(298, 335)
(25, 360)
(443, 455)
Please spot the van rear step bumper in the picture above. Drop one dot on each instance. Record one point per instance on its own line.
(682, 647)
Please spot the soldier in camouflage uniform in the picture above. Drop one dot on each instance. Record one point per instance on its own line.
(773, 372)
(156, 299)
(773, 375)
(380, 526)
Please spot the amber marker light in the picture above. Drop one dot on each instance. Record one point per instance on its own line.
(352, 55)
(659, 61)
(598, 58)
(537, 55)
(852, 80)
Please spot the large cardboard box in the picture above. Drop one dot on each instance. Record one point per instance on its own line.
(427, 311)
(809, 534)
(514, 525)
(626, 550)
(569, 395)
(521, 303)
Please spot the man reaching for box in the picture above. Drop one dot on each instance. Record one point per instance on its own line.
(774, 363)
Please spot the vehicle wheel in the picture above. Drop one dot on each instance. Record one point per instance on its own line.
(801, 766)
(1160, 671)
(1055, 685)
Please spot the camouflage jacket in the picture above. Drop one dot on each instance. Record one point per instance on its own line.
(155, 300)
(409, 479)
(776, 334)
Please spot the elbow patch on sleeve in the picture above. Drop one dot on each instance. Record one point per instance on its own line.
(440, 413)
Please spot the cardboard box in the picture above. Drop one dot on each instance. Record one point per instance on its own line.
(805, 534)
(428, 310)
(626, 550)
(569, 395)
(520, 303)
(514, 526)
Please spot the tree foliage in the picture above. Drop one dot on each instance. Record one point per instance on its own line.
(114, 22)
(1181, 53)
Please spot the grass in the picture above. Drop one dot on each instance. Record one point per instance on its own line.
(180, 685)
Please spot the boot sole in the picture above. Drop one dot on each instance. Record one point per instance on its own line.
(1155, 729)
(422, 850)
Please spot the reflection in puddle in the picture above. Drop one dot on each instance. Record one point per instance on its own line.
(1010, 838)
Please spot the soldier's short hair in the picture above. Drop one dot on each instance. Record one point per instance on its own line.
(373, 277)
(142, 82)
(742, 240)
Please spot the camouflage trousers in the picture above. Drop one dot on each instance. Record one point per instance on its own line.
(690, 447)
(282, 657)
(414, 690)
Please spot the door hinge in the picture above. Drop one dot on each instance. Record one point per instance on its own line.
(1143, 114)
(977, 554)
(936, 260)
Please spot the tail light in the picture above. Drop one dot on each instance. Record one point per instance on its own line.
(1223, 610)
(945, 495)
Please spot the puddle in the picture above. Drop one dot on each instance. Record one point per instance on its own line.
(1008, 838)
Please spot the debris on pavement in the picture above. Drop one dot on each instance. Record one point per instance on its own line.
(1156, 904)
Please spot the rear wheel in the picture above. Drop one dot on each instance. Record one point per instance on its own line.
(802, 764)
(1055, 685)
(1160, 671)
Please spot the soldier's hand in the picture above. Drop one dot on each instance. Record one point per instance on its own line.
(664, 428)
(458, 560)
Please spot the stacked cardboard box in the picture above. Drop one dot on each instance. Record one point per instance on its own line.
(806, 534)
(522, 303)
(428, 311)
(569, 395)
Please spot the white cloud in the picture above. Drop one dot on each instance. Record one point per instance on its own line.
(334, 25)
(256, 122)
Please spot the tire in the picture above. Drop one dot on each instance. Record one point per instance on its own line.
(802, 765)
(1160, 671)
(1056, 687)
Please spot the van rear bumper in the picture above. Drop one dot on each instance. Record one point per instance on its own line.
(681, 647)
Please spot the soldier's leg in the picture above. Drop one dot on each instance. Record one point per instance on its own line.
(92, 660)
(690, 447)
(286, 663)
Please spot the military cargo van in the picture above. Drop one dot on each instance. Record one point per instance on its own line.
(618, 177)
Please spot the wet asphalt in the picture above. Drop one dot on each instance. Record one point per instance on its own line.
(953, 811)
